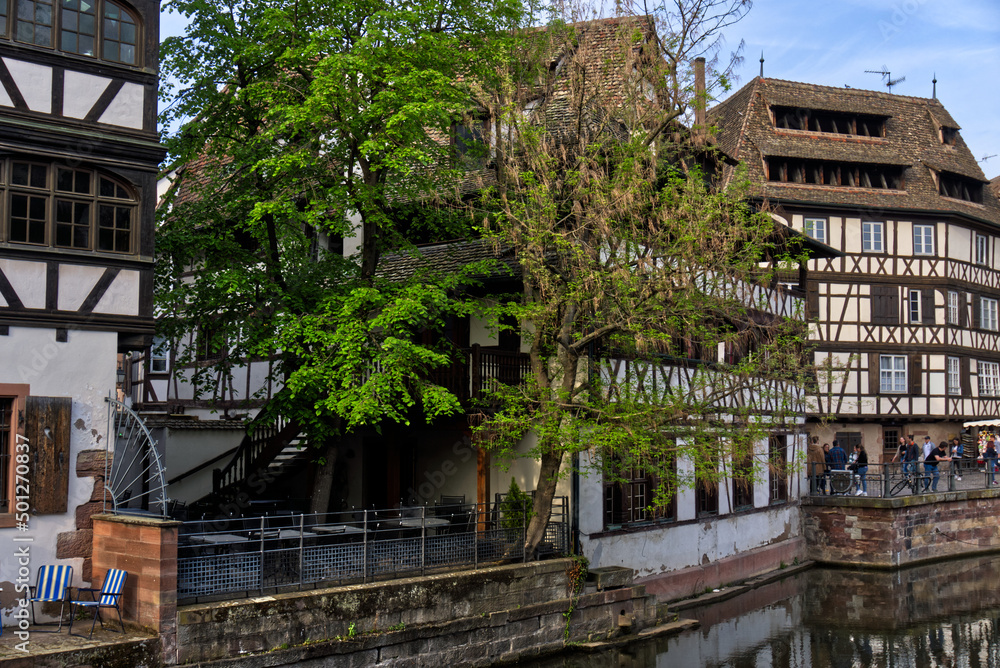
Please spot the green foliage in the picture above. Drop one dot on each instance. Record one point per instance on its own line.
(304, 124)
(515, 508)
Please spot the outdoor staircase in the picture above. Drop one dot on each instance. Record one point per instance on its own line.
(271, 449)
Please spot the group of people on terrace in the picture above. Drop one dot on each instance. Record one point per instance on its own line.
(824, 462)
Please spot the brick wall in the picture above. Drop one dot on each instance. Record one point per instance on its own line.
(465, 618)
(146, 548)
(889, 533)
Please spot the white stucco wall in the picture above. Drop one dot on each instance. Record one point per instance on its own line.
(82, 368)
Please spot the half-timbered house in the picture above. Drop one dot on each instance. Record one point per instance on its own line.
(79, 153)
(906, 322)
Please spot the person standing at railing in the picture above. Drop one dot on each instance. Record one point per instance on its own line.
(990, 460)
(957, 455)
(900, 455)
(860, 468)
(931, 463)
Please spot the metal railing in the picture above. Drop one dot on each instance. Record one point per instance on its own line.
(900, 479)
(246, 556)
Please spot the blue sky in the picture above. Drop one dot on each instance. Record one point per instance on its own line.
(833, 42)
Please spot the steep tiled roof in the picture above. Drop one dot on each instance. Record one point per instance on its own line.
(912, 141)
(448, 258)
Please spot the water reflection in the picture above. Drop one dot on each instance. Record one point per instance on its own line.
(946, 614)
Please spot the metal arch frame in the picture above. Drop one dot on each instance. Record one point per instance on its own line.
(128, 433)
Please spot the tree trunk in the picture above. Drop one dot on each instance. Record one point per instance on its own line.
(323, 481)
(545, 491)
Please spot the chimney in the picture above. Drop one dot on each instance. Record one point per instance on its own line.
(699, 100)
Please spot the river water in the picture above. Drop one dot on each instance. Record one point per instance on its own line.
(943, 614)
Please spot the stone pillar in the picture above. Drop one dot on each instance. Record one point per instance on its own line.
(146, 547)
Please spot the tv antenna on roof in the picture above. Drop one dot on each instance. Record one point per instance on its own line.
(886, 77)
(987, 157)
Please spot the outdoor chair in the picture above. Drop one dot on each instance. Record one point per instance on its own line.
(110, 597)
(51, 586)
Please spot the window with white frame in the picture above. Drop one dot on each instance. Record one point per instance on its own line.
(923, 240)
(914, 307)
(815, 228)
(953, 312)
(982, 249)
(873, 237)
(954, 376)
(892, 373)
(989, 379)
(159, 356)
(988, 313)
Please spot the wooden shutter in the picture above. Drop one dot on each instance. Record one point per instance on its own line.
(975, 312)
(812, 300)
(915, 374)
(874, 383)
(963, 310)
(47, 428)
(927, 312)
(885, 305)
(963, 375)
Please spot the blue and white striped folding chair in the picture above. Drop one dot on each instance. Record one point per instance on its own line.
(110, 597)
(51, 586)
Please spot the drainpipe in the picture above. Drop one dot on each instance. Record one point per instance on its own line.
(575, 505)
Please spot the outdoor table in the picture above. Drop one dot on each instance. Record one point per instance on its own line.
(336, 529)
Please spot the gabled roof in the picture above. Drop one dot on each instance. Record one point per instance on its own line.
(912, 142)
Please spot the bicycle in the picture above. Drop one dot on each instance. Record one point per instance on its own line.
(910, 480)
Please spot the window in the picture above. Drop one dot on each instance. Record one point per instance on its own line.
(892, 373)
(890, 438)
(923, 240)
(706, 490)
(742, 480)
(817, 120)
(960, 187)
(159, 361)
(77, 25)
(836, 174)
(471, 144)
(629, 497)
(989, 379)
(914, 307)
(872, 237)
(988, 313)
(982, 249)
(777, 469)
(953, 308)
(52, 205)
(954, 376)
(815, 228)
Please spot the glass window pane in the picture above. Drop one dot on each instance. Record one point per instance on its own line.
(127, 54)
(43, 14)
(19, 206)
(110, 50)
(86, 46)
(111, 10)
(82, 182)
(39, 176)
(68, 42)
(64, 211)
(87, 23)
(107, 188)
(128, 33)
(19, 174)
(70, 20)
(36, 208)
(110, 29)
(64, 180)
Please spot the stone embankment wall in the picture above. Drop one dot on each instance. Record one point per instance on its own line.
(892, 533)
(468, 618)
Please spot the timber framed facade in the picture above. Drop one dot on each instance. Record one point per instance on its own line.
(905, 323)
(79, 155)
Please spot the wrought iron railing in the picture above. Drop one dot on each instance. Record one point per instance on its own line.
(228, 558)
(901, 479)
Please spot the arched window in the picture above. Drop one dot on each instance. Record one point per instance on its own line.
(67, 207)
(81, 25)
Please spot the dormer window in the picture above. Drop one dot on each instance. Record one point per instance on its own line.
(816, 120)
(839, 174)
(960, 187)
(470, 141)
(949, 135)
(96, 28)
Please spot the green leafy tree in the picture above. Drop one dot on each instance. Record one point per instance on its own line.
(636, 272)
(306, 125)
